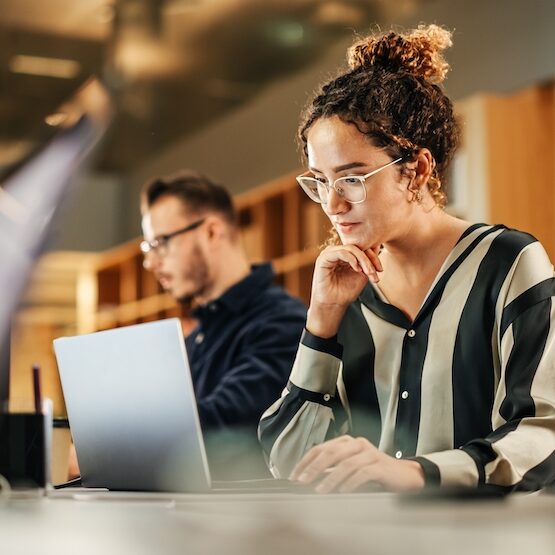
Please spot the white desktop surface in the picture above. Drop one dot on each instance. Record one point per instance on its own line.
(267, 524)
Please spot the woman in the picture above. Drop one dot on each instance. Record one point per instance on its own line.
(428, 355)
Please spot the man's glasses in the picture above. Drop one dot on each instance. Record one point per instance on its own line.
(350, 188)
(159, 244)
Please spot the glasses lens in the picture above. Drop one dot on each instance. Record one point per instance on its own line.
(351, 188)
(312, 188)
(157, 246)
(145, 247)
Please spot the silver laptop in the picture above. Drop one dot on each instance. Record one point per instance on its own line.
(132, 409)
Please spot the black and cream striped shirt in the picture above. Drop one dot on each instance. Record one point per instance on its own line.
(467, 388)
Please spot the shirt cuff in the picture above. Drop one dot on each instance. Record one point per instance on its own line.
(317, 365)
(449, 468)
(432, 476)
(329, 346)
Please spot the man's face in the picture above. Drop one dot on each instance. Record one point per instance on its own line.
(179, 264)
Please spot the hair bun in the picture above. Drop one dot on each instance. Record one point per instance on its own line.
(419, 52)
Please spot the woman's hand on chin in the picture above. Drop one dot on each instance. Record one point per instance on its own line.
(340, 274)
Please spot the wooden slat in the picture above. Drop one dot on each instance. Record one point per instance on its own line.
(263, 192)
(295, 260)
(291, 221)
(521, 144)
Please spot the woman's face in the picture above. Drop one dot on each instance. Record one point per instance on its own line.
(337, 149)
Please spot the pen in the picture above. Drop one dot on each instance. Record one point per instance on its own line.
(36, 389)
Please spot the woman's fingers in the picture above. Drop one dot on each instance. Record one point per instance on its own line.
(321, 457)
(344, 472)
(345, 464)
(357, 259)
(367, 455)
(362, 476)
(373, 256)
(305, 462)
(332, 257)
(352, 260)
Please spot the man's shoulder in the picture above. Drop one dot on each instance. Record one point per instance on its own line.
(275, 294)
(271, 313)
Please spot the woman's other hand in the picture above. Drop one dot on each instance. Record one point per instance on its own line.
(346, 464)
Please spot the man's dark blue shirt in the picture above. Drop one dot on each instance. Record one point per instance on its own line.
(241, 354)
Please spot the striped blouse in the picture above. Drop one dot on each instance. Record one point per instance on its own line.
(467, 389)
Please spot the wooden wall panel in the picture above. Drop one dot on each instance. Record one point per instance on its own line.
(521, 171)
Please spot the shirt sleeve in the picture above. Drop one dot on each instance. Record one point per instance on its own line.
(309, 410)
(257, 375)
(519, 453)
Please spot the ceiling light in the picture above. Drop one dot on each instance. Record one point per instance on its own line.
(337, 13)
(45, 67)
(56, 119)
(177, 7)
(290, 34)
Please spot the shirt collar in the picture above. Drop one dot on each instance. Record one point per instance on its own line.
(239, 295)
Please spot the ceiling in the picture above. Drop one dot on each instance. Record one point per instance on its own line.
(174, 65)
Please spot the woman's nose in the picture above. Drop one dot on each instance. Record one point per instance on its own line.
(336, 203)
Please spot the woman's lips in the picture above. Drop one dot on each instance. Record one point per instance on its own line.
(345, 227)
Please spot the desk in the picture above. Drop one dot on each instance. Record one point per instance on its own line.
(281, 524)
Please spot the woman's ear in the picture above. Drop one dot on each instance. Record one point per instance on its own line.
(424, 166)
(420, 170)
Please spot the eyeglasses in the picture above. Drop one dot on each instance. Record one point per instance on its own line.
(160, 244)
(350, 188)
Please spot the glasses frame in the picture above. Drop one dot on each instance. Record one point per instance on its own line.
(361, 178)
(161, 242)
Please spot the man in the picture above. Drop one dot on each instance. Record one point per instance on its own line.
(248, 329)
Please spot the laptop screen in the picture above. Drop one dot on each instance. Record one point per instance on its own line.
(31, 193)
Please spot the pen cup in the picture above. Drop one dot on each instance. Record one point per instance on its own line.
(25, 441)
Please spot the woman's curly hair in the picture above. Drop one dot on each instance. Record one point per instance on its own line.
(391, 93)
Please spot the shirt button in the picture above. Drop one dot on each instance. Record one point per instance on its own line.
(399, 454)
(327, 397)
(213, 307)
(199, 338)
(411, 333)
(405, 395)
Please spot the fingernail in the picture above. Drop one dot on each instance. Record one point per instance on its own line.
(303, 477)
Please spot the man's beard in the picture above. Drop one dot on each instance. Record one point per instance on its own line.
(198, 275)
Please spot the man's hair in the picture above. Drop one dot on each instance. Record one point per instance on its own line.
(197, 192)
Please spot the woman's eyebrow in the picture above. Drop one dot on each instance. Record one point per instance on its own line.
(340, 168)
